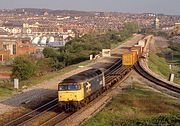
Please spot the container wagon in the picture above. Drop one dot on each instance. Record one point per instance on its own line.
(129, 59)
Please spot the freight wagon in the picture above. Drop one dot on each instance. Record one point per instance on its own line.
(129, 58)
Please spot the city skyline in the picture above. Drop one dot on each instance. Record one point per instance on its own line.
(127, 6)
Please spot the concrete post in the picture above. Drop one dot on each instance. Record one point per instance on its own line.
(170, 66)
(171, 77)
(91, 57)
(16, 83)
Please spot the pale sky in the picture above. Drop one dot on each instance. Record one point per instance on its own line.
(132, 6)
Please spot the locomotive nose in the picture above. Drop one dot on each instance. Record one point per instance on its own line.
(68, 96)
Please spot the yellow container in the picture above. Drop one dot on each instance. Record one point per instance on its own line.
(129, 58)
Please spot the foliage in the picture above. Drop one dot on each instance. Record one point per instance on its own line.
(44, 66)
(170, 120)
(49, 52)
(23, 68)
(79, 49)
(175, 46)
(138, 105)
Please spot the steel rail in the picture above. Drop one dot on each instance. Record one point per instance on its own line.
(157, 81)
(31, 114)
(38, 115)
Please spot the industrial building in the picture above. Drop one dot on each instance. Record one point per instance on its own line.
(12, 46)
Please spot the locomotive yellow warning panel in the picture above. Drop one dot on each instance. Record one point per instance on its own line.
(71, 93)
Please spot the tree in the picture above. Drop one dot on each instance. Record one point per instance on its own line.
(49, 52)
(44, 66)
(23, 68)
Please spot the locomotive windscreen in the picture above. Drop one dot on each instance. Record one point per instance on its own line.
(65, 87)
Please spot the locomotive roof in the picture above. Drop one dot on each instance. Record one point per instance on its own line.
(85, 75)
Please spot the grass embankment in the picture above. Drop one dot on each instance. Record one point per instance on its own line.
(138, 106)
(158, 65)
(173, 54)
(176, 71)
(4, 92)
(159, 61)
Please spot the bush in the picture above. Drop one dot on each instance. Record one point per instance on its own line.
(44, 66)
(49, 52)
(23, 68)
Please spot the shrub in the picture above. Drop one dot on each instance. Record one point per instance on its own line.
(23, 68)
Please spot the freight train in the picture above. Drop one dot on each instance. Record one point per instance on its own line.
(78, 90)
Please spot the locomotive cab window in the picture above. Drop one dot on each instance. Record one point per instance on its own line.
(71, 87)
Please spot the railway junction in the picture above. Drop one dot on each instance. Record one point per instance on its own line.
(49, 114)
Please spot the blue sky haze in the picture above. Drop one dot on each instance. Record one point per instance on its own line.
(133, 6)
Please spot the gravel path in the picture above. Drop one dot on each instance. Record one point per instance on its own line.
(47, 89)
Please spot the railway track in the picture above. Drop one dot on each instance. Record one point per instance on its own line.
(50, 114)
(42, 117)
(157, 81)
(46, 115)
(115, 69)
(31, 114)
(57, 119)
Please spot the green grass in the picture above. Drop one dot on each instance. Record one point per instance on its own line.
(176, 57)
(176, 71)
(159, 62)
(158, 65)
(138, 106)
(5, 92)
